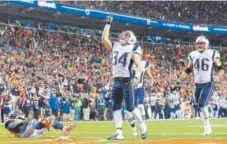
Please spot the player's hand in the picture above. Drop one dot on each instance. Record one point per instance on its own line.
(178, 81)
(135, 82)
(109, 20)
(216, 79)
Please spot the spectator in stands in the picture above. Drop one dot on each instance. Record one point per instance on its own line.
(86, 108)
(77, 106)
(54, 104)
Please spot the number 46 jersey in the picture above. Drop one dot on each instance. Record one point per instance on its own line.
(203, 65)
(122, 62)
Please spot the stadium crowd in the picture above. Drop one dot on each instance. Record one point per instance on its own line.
(69, 76)
(196, 12)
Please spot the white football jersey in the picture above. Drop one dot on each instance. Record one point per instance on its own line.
(176, 99)
(146, 65)
(203, 64)
(153, 100)
(122, 62)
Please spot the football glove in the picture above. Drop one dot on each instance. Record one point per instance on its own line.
(178, 82)
(135, 81)
(216, 79)
(109, 20)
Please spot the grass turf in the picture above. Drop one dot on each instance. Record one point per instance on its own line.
(163, 129)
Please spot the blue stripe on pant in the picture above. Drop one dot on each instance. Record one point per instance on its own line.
(122, 90)
(139, 96)
(202, 93)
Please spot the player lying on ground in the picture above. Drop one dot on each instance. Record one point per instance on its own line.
(125, 52)
(32, 128)
(202, 62)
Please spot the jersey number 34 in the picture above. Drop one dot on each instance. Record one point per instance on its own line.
(121, 59)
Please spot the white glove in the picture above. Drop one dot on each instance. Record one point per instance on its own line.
(216, 79)
(135, 80)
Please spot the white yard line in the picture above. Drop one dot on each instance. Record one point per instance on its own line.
(150, 133)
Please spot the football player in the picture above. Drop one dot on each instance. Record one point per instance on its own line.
(125, 52)
(139, 93)
(24, 128)
(202, 62)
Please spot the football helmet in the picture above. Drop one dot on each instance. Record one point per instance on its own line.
(201, 43)
(127, 37)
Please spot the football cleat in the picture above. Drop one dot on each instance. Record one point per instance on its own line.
(207, 131)
(144, 135)
(116, 137)
(134, 132)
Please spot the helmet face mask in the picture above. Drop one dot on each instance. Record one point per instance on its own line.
(201, 43)
(127, 37)
(200, 46)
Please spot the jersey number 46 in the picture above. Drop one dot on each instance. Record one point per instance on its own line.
(201, 64)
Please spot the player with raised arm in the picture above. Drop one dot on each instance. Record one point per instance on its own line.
(202, 62)
(125, 52)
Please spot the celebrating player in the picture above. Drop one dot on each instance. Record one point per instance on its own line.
(139, 93)
(202, 62)
(125, 52)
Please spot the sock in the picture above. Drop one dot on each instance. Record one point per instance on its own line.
(118, 121)
(205, 112)
(136, 113)
(142, 111)
(130, 119)
(206, 116)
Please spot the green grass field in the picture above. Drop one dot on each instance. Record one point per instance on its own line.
(158, 130)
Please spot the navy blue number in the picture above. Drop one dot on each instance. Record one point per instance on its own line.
(122, 59)
(141, 77)
(197, 64)
(115, 55)
(204, 66)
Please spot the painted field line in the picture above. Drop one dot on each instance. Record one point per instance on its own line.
(150, 140)
(128, 133)
(52, 141)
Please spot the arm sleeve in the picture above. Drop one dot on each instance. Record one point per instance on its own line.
(190, 57)
(137, 49)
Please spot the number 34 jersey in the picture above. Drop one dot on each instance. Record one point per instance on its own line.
(122, 59)
(203, 65)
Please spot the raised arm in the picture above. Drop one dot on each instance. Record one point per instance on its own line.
(106, 34)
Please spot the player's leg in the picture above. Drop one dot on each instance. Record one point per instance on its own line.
(131, 122)
(28, 130)
(117, 99)
(131, 119)
(129, 98)
(66, 129)
(205, 95)
(140, 101)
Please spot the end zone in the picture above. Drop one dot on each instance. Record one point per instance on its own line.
(180, 141)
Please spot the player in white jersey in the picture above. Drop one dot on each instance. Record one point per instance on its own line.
(125, 52)
(139, 92)
(202, 62)
(175, 97)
